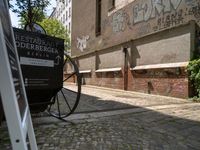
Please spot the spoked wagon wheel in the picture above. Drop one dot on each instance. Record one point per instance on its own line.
(66, 100)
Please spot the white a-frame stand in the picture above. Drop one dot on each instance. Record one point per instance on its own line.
(12, 89)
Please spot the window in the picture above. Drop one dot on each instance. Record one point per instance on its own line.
(69, 11)
(69, 27)
(66, 15)
(98, 17)
(66, 3)
(111, 4)
(63, 18)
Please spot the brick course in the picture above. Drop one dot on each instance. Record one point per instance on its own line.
(162, 84)
(167, 82)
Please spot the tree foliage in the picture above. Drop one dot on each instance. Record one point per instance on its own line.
(55, 28)
(37, 17)
(194, 70)
(29, 10)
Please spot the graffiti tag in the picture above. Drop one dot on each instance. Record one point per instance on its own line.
(120, 21)
(82, 42)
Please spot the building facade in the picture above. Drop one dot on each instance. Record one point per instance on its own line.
(63, 13)
(136, 45)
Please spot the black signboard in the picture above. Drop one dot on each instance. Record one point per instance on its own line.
(12, 56)
(41, 59)
(1, 111)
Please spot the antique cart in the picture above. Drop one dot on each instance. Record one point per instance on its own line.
(42, 60)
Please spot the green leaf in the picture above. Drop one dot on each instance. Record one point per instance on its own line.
(55, 28)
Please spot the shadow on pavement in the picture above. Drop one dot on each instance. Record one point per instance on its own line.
(90, 103)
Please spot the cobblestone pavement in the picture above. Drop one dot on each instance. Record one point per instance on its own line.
(149, 122)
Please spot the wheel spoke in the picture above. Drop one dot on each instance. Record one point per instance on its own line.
(66, 101)
(65, 62)
(53, 101)
(58, 106)
(69, 76)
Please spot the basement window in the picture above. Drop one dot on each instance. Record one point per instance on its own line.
(160, 66)
(85, 71)
(108, 70)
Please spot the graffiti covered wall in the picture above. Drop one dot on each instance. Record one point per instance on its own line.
(149, 16)
(137, 19)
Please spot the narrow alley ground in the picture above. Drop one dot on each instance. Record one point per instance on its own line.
(108, 119)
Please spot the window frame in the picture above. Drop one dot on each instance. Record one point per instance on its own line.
(98, 17)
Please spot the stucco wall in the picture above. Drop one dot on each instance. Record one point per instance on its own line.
(86, 63)
(110, 59)
(176, 49)
(166, 47)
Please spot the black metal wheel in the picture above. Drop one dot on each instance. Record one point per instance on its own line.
(66, 100)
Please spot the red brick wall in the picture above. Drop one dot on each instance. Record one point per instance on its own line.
(168, 82)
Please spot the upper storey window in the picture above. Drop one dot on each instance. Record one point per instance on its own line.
(98, 17)
(66, 3)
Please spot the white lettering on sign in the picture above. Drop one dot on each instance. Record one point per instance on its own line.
(36, 62)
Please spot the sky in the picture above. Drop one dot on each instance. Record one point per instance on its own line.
(15, 19)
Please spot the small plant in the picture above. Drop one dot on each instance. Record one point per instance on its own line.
(194, 75)
(195, 99)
